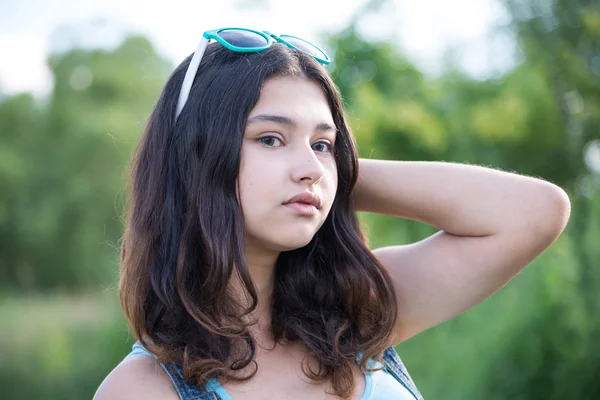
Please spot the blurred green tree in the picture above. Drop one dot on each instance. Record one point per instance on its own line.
(63, 166)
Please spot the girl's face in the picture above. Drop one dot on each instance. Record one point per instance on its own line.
(287, 150)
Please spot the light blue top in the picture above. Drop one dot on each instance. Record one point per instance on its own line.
(379, 385)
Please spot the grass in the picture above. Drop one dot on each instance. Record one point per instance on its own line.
(59, 346)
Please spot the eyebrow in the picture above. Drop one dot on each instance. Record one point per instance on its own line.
(322, 126)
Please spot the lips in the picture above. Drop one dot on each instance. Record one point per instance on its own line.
(306, 198)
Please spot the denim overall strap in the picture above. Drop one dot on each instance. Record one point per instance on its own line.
(185, 390)
(174, 371)
(395, 366)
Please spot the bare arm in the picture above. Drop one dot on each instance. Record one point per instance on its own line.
(492, 224)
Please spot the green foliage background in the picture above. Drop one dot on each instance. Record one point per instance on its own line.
(63, 178)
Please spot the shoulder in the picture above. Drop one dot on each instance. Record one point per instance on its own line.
(136, 377)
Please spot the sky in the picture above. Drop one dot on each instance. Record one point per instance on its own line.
(424, 29)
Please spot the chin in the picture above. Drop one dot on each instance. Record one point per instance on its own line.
(296, 246)
(284, 243)
(291, 244)
(287, 239)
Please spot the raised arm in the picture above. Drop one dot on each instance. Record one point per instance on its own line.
(492, 224)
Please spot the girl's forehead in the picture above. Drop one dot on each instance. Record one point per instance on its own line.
(291, 87)
(296, 99)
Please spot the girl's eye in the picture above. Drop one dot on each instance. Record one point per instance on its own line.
(270, 141)
(325, 147)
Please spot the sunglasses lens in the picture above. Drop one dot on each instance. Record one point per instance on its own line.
(245, 39)
(304, 46)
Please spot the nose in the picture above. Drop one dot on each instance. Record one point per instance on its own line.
(306, 165)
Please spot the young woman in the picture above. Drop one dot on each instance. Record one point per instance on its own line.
(244, 272)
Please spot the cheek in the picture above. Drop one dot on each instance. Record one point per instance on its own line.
(245, 178)
(255, 184)
(332, 182)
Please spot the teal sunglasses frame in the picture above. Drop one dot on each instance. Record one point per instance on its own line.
(213, 34)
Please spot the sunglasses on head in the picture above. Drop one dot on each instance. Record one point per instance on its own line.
(246, 41)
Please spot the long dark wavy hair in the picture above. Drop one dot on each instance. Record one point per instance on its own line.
(184, 236)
